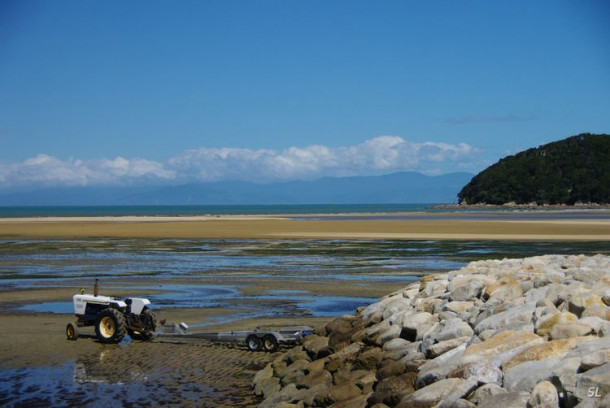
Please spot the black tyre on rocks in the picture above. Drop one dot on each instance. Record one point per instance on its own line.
(254, 343)
(270, 343)
(110, 326)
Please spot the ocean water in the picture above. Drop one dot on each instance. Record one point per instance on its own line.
(192, 210)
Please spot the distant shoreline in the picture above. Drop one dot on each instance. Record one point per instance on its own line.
(514, 206)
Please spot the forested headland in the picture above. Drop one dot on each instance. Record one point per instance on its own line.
(570, 171)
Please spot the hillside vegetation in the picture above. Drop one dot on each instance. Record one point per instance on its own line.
(570, 171)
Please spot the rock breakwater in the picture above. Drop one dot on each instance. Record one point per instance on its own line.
(506, 333)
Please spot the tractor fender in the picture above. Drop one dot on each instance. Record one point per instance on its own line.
(137, 304)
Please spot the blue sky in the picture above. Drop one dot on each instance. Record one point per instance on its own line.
(109, 92)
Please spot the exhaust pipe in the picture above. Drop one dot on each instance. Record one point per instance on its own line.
(96, 288)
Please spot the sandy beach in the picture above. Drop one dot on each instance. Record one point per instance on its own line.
(568, 227)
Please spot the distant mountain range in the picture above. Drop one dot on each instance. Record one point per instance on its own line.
(396, 188)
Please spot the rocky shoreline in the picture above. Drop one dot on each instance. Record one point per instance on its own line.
(512, 333)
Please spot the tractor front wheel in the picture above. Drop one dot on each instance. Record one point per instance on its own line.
(110, 326)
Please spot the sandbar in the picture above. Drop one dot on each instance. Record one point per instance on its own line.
(568, 227)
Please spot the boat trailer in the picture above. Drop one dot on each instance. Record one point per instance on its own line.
(256, 340)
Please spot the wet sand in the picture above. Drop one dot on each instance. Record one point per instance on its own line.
(40, 367)
(568, 227)
(44, 369)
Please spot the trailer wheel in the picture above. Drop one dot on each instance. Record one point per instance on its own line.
(254, 343)
(270, 343)
(71, 332)
(110, 326)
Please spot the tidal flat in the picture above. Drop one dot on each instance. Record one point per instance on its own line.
(211, 284)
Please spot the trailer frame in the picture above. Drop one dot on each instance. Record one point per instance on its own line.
(259, 339)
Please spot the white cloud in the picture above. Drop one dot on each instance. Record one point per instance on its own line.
(378, 155)
(383, 154)
(45, 170)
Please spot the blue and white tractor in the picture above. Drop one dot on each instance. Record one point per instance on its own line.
(113, 318)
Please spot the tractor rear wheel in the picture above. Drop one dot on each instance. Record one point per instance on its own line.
(110, 326)
(149, 321)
